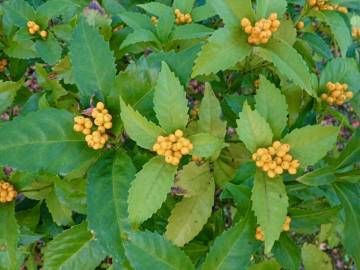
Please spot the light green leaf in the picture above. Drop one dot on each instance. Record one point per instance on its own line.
(54, 8)
(349, 195)
(72, 193)
(155, 8)
(8, 90)
(142, 131)
(313, 258)
(271, 264)
(271, 104)
(137, 20)
(170, 103)
(226, 47)
(233, 249)
(190, 31)
(9, 237)
(165, 25)
(202, 12)
(185, 6)
(149, 189)
(89, 55)
(109, 182)
(147, 250)
(253, 129)
(287, 253)
(193, 179)
(270, 203)
(210, 114)
(190, 215)
(311, 143)
(24, 49)
(279, 52)
(46, 142)
(139, 35)
(286, 32)
(205, 145)
(75, 248)
(265, 7)
(19, 12)
(232, 11)
(59, 212)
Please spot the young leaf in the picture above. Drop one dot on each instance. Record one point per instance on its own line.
(75, 248)
(9, 237)
(270, 203)
(271, 104)
(142, 131)
(170, 103)
(89, 55)
(59, 212)
(108, 185)
(279, 52)
(265, 7)
(147, 250)
(149, 189)
(311, 143)
(349, 196)
(205, 145)
(287, 253)
(226, 47)
(314, 258)
(49, 50)
(253, 129)
(233, 249)
(193, 179)
(46, 141)
(210, 114)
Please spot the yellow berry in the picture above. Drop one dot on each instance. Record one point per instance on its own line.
(107, 117)
(287, 157)
(179, 133)
(259, 163)
(245, 22)
(156, 147)
(108, 125)
(276, 144)
(279, 170)
(349, 94)
(86, 131)
(100, 106)
(273, 16)
(330, 86)
(285, 165)
(78, 128)
(271, 174)
(43, 34)
(248, 29)
(300, 25)
(184, 151)
(36, 27)
(292, 170)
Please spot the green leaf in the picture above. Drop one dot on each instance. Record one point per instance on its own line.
(185, 6)
(265, 7)
(349, 197)
(205, 145)
(72, 193)
(8, 90)
(287, 253)
(59, 212)
(233, 249)
(55, 8)
(317, 43)
(271, 264)
(203, 12)
(149, 189)
(19, 12)
(286, 32)
(155, 8)
(311, 143)
(89, 55)
(271, 105)
(339, 28)
(147, 250)
(137, 20)
(253, 129)
(319, 177)
(142, 131)
(170, 103)
(226, 47)
(9, 237)
(165, 25)
(191, 31)
(232, 11)
(270, 203)
(210, 114)
(24, 49)
(139, 35)
(193, 179)
(109, 182)
(314, 258)
(190, 215)
(46, 142)
(279, 52)
(75, 248)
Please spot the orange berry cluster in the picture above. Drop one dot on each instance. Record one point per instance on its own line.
(182, 18)
(262, 31)
(355, 32)
(154, 20)
(259, 235)
(3, 64)
(324, 5)
(275, 160)
(7, 192)
(337, 93)
(300, 25)
(173, 147)
(95, 139)
(33, 28)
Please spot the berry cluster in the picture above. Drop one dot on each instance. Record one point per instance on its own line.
(33, 28)
(324, 5)
(154, 20)
(182, 18)
(259, 235)
(173, 147)
(300, 25)
(276, 159)
(7, 192)
(102, 119)
(355, 32)
(3, 64)
(262, 31)
(337, 93)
